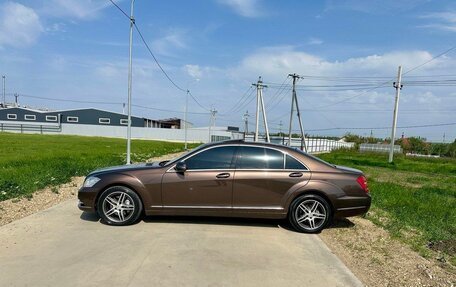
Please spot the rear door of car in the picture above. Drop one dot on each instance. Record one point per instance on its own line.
(263, 177)
(206, 184)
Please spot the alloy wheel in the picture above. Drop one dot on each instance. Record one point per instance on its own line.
(118, 206)
(310, 214)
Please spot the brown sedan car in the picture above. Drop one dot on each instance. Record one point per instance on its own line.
(231, 178)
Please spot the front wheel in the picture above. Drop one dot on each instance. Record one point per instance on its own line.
(119, 205)
(309, 213)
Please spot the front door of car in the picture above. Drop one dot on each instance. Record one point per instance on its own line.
(263, 177)
(207, 182)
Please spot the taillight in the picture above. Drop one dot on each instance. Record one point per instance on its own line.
(362, 181)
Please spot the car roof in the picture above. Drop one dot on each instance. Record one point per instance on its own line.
(241, 141)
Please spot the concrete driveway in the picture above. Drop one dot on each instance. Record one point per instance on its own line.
(61, 247)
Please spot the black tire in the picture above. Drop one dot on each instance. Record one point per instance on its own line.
(114, 213)
(301, 216)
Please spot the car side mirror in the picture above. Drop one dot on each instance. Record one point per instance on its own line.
(181, 167)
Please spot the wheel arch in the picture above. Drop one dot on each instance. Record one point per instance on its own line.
(312, 192)
(121, 184)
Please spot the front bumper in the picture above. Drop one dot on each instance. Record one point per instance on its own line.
(87, 199)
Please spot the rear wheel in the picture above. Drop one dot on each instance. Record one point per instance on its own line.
(119, 205)
(309, 213)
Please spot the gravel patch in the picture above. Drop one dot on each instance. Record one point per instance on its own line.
(379, 260)
(17, 208)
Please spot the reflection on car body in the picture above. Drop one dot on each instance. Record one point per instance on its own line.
(230, 178)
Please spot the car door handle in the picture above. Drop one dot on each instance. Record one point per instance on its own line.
(223, 175)
(295, 174)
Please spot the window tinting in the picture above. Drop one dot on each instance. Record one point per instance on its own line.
(292, 163)
(260, 158)
(215, 158)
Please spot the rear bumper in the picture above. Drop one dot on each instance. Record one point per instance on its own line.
(87, 199)
(352, 206)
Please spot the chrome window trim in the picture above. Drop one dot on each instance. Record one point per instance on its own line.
(351, 208)
(284, 161)
(171, 169)
(11, 116)
(192, 155)
(218, 206)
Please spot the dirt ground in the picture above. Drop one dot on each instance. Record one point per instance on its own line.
(373, 256)
(14, 209)
(379, 260)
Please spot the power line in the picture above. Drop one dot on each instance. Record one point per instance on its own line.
(120, 9)
(72, 101)
(386, 128)
(433, 58)
(246, 101)
(108, 103)
(245, 94)
(163, 70)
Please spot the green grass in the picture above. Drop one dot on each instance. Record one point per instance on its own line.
(31, 162)
(414, 198)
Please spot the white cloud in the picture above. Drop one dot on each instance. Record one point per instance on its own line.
(56, 28)
(315, 41)
(78, 9)
(374, 6)
(444, 21)
(19, 25)
(173, 39)
(276, 62)
(194, 71)
(245, 8)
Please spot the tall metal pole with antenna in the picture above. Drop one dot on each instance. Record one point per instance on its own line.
(132, 22)
(260, 104)
(4, 90)
(294, 101)
(398, 86)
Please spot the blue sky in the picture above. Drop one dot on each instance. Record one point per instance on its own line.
(78, 50)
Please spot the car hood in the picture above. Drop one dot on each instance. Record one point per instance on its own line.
(348, 169)
(129, 167)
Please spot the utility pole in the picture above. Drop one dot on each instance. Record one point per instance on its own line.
(132, 22)
(246, 123)
(294, 101)
(185, 119)
(212, 122)
(260, 104)
(398, 86)
(4, 90)
(123, 108)
(443, 137)
(186, 112)
(15, 100)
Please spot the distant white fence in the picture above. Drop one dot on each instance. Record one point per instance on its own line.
(314, 145)
(383, 148)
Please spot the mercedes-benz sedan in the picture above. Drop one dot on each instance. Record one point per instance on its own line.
(231, 178)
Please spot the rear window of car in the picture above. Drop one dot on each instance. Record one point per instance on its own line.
(292, 163)
(259, 158)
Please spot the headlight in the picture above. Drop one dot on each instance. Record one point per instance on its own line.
(90, 181)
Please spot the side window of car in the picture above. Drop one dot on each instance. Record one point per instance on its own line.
(292, 163)
(214, 158)
(260, 158)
